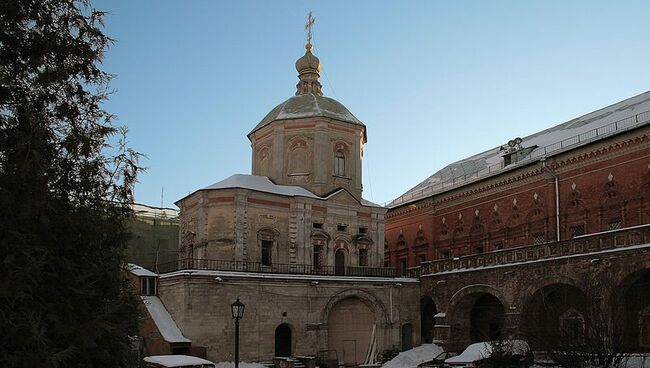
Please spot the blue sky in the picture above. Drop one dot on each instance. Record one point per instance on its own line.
(433, 81)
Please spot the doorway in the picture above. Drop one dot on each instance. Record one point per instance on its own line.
(339, 262)
(283, 341)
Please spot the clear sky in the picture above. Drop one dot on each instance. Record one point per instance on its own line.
(434, 81)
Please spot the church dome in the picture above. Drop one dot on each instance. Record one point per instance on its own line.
(308, 63)
(307, 106)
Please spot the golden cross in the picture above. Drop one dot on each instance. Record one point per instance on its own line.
(310, 23)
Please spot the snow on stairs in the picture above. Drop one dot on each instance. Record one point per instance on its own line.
(292, 362)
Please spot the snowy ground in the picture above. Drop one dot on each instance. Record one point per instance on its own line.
(241, 365)
(635, 361)
(425, 352)
(412, 358)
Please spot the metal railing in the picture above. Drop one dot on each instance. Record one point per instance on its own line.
(539, 152)
(275, 268)
(613, 239)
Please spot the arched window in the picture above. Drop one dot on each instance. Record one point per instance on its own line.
(339, 163)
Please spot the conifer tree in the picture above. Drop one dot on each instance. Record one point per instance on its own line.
(64, 192)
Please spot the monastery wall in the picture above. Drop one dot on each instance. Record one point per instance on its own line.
(200, 304)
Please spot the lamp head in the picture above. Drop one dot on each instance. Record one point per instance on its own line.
(237, 309)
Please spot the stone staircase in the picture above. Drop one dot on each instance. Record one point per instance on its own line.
(290, 362)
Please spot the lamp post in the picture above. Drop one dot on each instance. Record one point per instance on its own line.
(237, 309)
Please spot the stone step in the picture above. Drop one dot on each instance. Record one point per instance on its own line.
(296, 363)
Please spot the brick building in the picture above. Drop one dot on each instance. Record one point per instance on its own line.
(471, 230)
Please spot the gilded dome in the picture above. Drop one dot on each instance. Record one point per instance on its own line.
(308, 63)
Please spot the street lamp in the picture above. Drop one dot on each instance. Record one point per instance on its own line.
(237, 309)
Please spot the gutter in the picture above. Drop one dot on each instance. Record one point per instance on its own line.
(557, 196)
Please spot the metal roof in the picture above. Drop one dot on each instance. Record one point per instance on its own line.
(628, 114)
(306, 106)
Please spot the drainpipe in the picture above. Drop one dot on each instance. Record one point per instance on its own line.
(557, 197)
(390, 301)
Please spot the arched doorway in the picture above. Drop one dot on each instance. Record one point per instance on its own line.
(428, 312)
(407, 337)
(283, 341)
(339, 262)
(555, 316)
(486, 318)
(476, 317)
(631, 309)
(350, 330)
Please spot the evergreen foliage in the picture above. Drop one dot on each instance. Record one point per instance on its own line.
(64, 299)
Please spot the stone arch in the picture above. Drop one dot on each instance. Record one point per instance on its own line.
(546, 281)
(351, 324)
(476, 313)
(552, 311)
(630, 302)
(475, 289)
(381, 315)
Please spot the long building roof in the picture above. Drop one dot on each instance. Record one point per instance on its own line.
(624, 115)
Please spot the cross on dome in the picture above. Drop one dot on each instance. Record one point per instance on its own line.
(310, 23)
(308, 66)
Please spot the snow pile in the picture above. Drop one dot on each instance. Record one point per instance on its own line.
(412, 358)
(163, 320)
(637, 361)
(241, 365)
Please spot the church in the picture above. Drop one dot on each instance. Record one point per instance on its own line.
(295, 242)
(482, 250)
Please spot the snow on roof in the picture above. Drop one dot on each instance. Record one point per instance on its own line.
(481, 350)
(627, 114)
(163, 320)
(414, 357)
(177, 361)
(261, 184)
(296, 277)
(264, 184)
(140, 271)
(144, 210)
